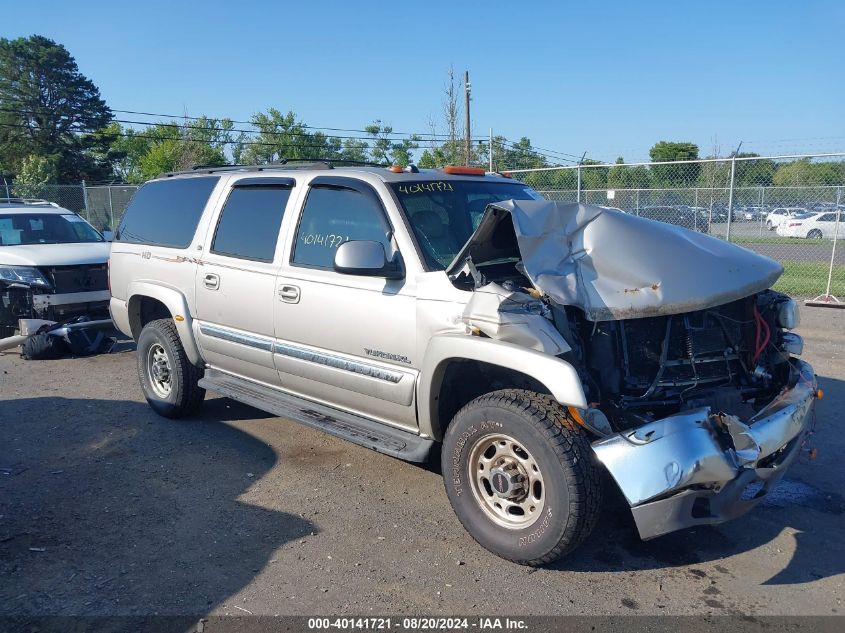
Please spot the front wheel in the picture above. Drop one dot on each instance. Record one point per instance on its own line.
(815, 234)
(168, 378)
(521, 476)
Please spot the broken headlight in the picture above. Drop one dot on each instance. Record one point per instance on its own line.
(787, 314)
(23, 275)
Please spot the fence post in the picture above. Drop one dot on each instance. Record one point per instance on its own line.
(762, 211)
(731, 198)
(6, 183)
(638, 202)
(111, 212)
(827, 294)
(578, 186)
(85, 200)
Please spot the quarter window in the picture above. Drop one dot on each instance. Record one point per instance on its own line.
(249, 223)
(166, 212)
(332, 216)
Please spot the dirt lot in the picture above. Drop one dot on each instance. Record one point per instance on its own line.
(106, 508)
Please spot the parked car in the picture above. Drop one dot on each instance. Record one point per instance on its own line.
(813, 225)
(780, 214)
(679, 216)
(52, 264)
(536, 344)
(752, 214)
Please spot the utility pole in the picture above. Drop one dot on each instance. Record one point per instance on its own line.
(491, 149)
(467, 89)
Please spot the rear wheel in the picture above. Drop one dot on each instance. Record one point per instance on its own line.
(521, 476)
(168, 378)
(815, 234)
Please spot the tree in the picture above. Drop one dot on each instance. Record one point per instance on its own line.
(47, 106)
(754, 173)
(622, 176)
(674, 175)
(386, 151)
(35, 173)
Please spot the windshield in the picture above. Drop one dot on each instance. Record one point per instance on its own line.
(45, 228)
(443, 214)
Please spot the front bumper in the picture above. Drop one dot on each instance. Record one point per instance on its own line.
(698, 468)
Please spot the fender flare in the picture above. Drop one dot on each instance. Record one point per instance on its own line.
(175, 302)
(558, 376)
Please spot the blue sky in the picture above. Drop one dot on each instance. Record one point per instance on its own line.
(609, 78)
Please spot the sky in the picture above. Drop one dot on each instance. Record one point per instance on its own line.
(607, 78)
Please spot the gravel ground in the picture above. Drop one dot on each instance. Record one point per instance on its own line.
(107, 509)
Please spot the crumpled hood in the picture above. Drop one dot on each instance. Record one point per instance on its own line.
(613, 265)
(55, 254)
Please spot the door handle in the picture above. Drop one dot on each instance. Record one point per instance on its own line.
(211, 281)
(289, 294)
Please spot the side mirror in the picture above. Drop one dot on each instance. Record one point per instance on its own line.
(366, 258)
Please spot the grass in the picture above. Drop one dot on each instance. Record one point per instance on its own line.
(774, 239)
(809, 279)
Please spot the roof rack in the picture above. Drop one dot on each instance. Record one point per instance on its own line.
(285, 163)
(32, 201)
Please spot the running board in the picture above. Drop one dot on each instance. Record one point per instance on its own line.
(348, 426)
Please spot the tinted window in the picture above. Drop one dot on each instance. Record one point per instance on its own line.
(166, 212)
(444, 213)
(45, 228)
(828, 217)
(333, 216)
(249, 223)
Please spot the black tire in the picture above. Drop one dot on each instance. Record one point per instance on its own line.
(184, 396)
(571, 479)
(815, 234)
(769, 225)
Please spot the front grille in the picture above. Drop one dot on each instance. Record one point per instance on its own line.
(82, 278)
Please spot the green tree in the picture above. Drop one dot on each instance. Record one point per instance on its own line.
(387, 151)
(35, 173)
(46, 106)
(622, 176)
(806, 172)
(674, 175)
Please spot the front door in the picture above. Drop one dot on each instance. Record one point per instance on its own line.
(236, 278)
(345, 340)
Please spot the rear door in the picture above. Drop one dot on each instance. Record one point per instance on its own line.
(236, 274)
(345, 340)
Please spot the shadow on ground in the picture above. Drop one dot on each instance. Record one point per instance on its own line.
(73, 468)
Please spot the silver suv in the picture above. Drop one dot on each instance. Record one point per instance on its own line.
(534, 345)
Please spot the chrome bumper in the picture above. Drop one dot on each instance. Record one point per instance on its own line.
(682, 471)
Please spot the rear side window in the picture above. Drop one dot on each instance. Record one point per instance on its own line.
(166, 212)
(249, 223)
(333, 215)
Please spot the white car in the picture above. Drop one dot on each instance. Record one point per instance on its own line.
(813, 225)
(777, 216)
(53, 264)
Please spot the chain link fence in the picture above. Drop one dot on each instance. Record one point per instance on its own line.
(101, 205)
(789, 208)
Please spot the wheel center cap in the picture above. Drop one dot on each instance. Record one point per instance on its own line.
(507, 481)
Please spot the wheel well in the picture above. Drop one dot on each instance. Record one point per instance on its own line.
(142, 310)
(465, 380)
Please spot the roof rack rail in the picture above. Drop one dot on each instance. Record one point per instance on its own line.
(285, 163)
(33, 201)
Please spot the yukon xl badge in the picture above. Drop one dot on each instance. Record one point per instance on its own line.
(376, 353)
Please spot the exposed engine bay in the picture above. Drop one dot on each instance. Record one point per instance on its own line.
(57, 293)
(731, 358)
(535, 269)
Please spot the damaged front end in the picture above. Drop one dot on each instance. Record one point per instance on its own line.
(52, 293)
(698, 401)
